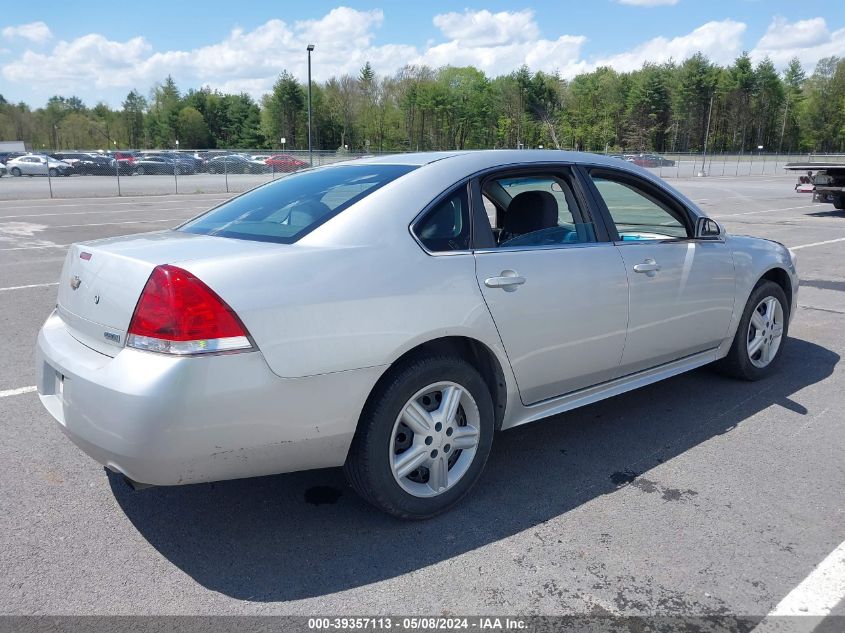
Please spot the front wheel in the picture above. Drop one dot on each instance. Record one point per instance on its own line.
(140, 171)
(53, 172)
(423, 437)
(758, 344)
(839, 202)
(16, 171)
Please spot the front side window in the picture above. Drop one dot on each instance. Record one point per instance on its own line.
(534, 210)
(446, 226)
(289, 208)
(637, 214)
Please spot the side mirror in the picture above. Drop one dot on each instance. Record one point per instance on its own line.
(708, 229)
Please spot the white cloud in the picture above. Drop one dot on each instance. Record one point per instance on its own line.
(720, 41)
(88, 60)
(98, 68)
(482, 28)
(782, 34)
(648, 3)
(36, 32)
(246, 61)
(498, 43)
(810, 40)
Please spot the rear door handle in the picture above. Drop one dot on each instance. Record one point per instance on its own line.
(507, 281)
(649, 266)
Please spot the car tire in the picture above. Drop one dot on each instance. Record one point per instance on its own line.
(745, 362)
(374, 468)
(140, 171)
(53, 172)
(16, 172)
(839, 202)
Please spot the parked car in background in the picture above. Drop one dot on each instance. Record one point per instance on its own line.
(155, 165)
(38, 165)
(237, 164)
(651, 160)
(125, 157)
(102, 165)
(186, 164)
(374, 315)
(4, 156)
(285, 163)
(71, 158)
(200, 162)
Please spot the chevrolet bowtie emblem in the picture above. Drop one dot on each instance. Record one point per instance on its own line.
(74, 282)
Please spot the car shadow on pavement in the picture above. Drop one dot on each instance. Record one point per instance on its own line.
(836, 213)
(302, 535)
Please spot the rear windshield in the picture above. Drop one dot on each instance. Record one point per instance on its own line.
(291, 207)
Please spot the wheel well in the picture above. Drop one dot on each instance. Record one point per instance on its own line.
(781, 278)
(476, 354)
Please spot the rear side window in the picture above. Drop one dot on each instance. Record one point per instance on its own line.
(446, 226)
(291, 207)
(534, 210)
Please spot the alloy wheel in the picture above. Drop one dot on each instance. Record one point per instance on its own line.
(434, 439)
(765, 332)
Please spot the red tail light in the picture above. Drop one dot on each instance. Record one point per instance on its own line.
(178, 314)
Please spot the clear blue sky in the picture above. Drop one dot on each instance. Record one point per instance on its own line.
(98, 52)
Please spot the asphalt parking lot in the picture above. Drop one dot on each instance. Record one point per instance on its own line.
(698, 495)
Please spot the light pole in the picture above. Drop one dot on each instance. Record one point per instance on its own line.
(310, 150)
(116, 166)
(176, 167)
(703, 171)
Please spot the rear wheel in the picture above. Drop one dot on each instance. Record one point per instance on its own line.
(839, 202)
(762, 331)
(423, 438)
(140, 171)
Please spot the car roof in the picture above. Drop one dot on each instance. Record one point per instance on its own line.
(483, 159)
(468, 162)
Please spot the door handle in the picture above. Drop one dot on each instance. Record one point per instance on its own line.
(649, 267)
(507, 281)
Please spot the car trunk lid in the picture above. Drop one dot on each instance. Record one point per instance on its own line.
(101, 281)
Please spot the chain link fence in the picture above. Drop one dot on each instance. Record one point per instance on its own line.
(68, 174)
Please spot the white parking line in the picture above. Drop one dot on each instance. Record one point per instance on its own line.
(27, 248)
(68, 226)
(733, 215)
(17, 392)
(152, 199)
(817, 594)
(136, 210)
(838, 239)
(55, 283)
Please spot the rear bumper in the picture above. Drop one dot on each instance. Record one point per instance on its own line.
(166, 421)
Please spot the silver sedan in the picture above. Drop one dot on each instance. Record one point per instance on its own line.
(389, 315)
(38, 165)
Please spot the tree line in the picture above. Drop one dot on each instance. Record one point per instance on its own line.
(671, 107)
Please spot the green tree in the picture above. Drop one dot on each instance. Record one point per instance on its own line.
(133, 115)
(282, 110)
(193, 130)
(793, 83)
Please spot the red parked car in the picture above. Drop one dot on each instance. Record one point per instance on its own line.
(285, 163)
